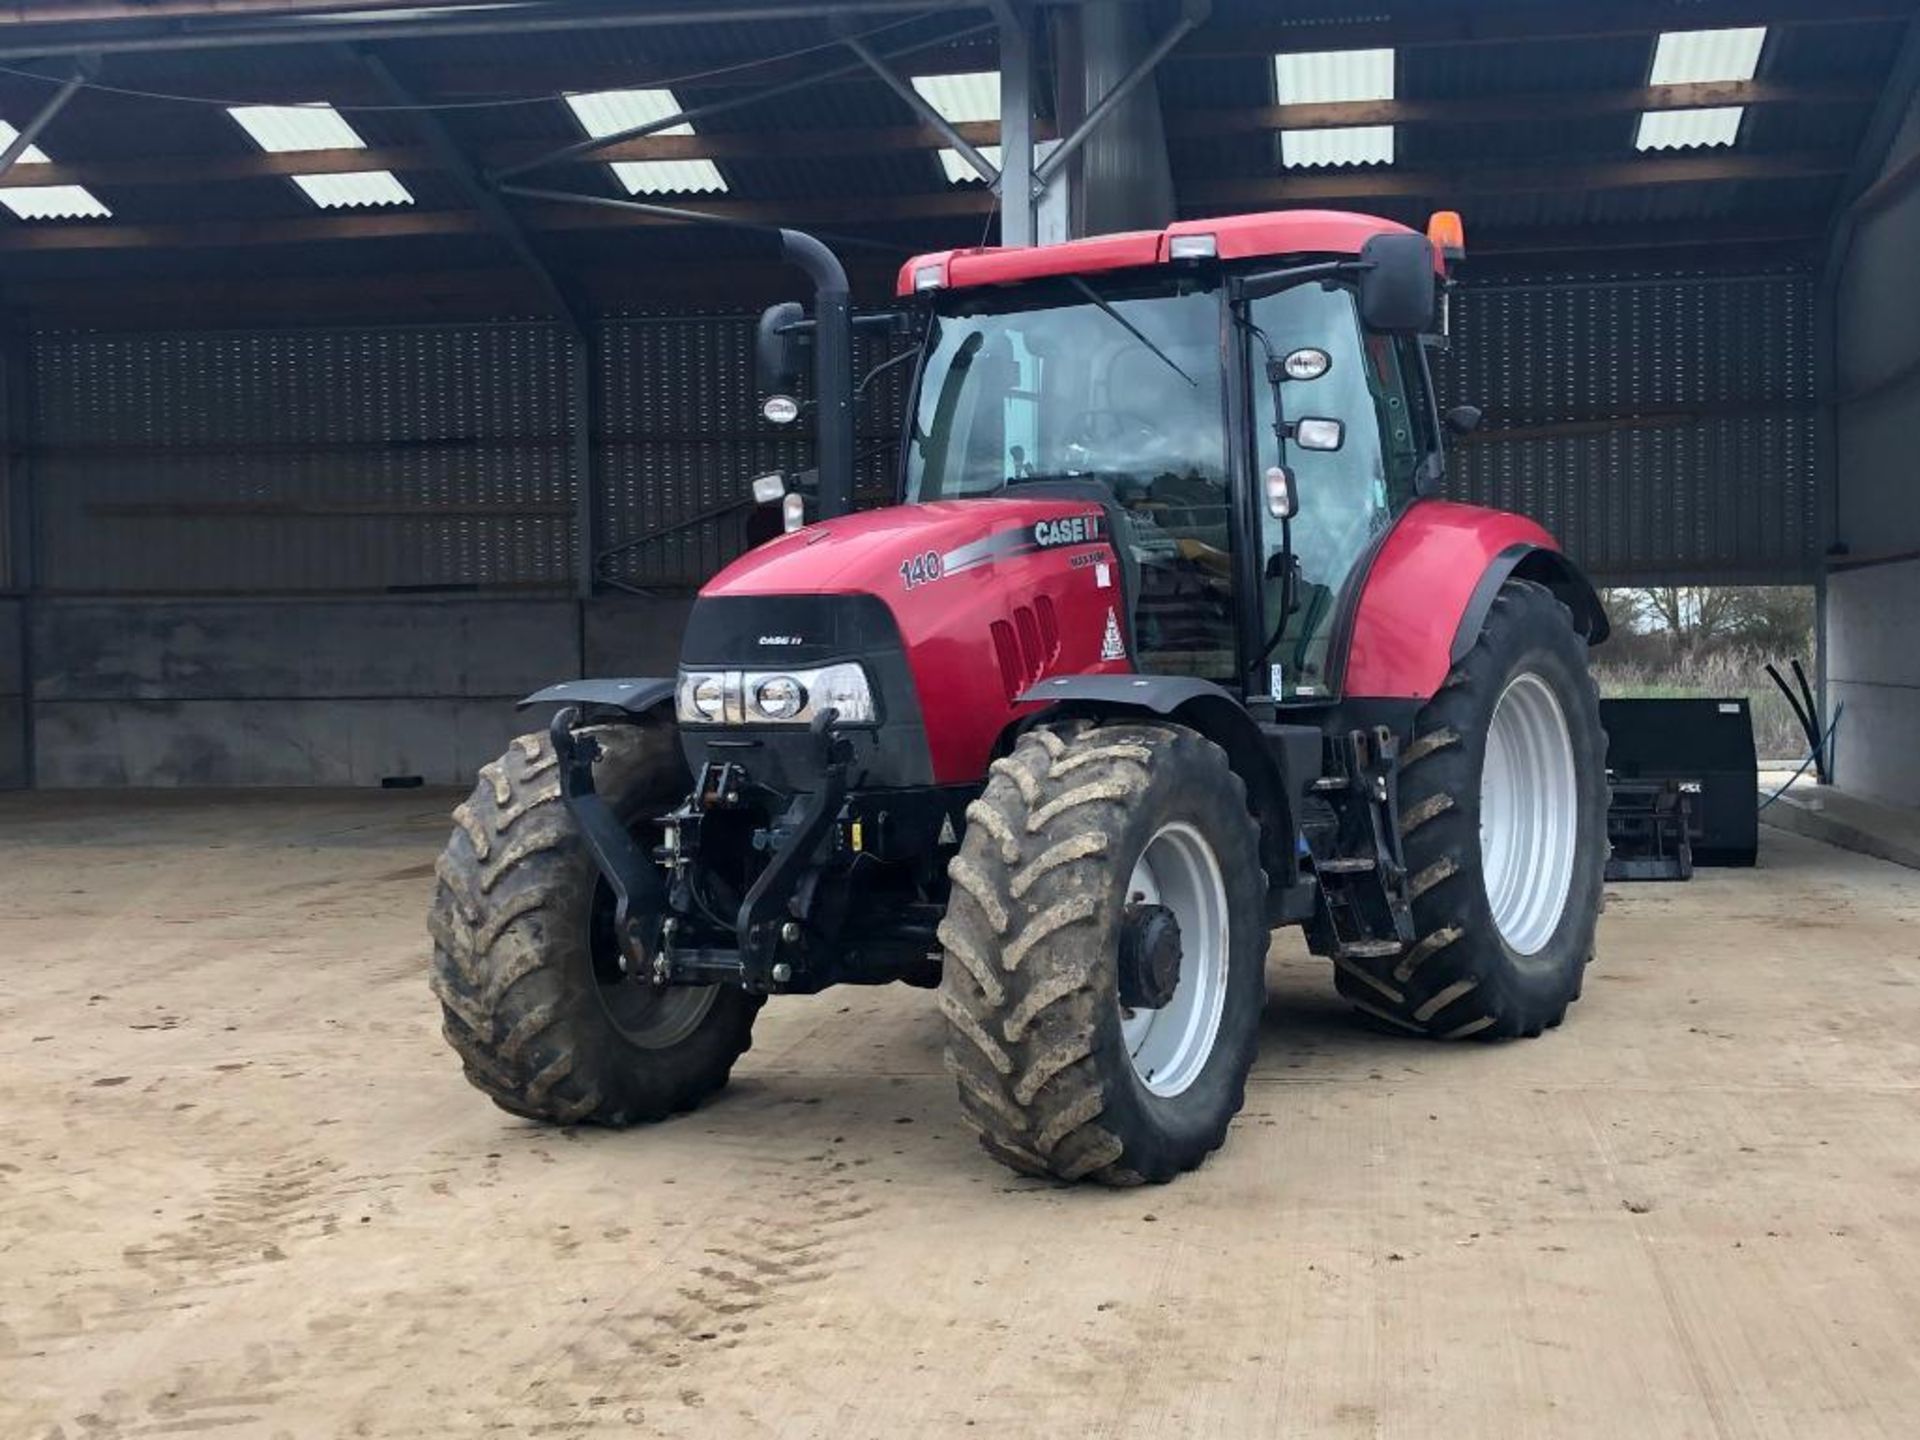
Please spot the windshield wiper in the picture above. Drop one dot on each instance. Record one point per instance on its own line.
(1087, 290)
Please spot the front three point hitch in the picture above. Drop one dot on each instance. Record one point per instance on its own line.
(770, 924)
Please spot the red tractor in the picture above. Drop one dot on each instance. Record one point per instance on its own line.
(1165, 645)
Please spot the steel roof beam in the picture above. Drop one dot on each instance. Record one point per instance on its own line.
(1437, 25)
(453, 162)
(590, 147)
(1509, 109)
(924, 108)
(83, 71)
(1386, 182)
(24, 39)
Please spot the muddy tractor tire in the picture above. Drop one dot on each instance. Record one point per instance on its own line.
(1105, 945)
(1503, 819)
(524, 959)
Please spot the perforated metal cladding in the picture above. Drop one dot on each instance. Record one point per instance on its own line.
(681, 436)
(312, 460)
(1715, 473)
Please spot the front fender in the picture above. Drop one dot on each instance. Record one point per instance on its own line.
(636, 696)
(1272, 789)
(1427, 593)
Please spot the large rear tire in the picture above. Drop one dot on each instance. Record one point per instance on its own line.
(524, 960)
(1075, 827)
(1503, 819)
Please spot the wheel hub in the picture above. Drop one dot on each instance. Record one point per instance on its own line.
(1149, 956)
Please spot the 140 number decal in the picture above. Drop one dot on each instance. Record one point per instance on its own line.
(920, 569)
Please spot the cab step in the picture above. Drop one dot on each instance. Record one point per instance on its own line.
(1369, 949)
(1347, 865)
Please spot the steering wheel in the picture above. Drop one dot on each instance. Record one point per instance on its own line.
(1093, 429)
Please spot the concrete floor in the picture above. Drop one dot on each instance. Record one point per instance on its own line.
(244, 1190)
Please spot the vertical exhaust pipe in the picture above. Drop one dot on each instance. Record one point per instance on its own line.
(832, 367)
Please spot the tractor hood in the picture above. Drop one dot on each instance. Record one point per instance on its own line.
(980, 599)
(865, 552)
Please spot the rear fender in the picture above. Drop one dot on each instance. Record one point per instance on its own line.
(636, 696)
(1429, 589)
(1199, 705)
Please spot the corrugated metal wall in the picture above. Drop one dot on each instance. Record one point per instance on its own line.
(372, 460)
(308, 461)
(1714, 476)
(681, 435)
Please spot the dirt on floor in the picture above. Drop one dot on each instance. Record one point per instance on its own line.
(244, 1189)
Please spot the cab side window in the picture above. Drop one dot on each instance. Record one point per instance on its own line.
(1346, 497)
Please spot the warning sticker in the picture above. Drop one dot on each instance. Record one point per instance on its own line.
(1112, 647)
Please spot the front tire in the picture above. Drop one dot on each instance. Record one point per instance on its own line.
(1055, 1074)
(525, 963)
(1503, 820)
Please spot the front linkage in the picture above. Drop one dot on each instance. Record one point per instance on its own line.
(681, 916)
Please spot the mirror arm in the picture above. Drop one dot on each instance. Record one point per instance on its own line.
(1262, 283)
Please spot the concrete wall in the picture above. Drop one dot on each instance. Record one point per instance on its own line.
(13, 740)
(307, 692)
(1873, 610)
(1873, 668)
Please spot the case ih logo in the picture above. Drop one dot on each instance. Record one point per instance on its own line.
(1074, 530)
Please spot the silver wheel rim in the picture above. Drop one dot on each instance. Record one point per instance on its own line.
(675, 1014)
(1529, 814)
(1169, 1047)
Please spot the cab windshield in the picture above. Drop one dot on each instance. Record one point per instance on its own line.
(1107, 382)
(1062, 389)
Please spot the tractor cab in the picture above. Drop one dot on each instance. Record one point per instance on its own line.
(1253, 436)
(1250, 426)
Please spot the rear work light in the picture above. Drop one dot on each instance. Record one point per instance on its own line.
(1192, 247)
(929, 277)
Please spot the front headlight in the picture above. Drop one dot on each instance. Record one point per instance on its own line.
(845, 688)
(780, 698)
(775, 697)
(700, 698)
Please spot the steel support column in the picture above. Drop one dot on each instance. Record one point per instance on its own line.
(1192, 15)
(1016, 184)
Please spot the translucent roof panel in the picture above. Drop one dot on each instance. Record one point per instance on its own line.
(1318, 77)
(1323, 77)
(670, 177)
(1688, 129)
(285, 129)
(356, 189)
(608, 112)
(1342, 145)
(54, 202)
(972, 96)
(1692, 57)
(956, 169)
(32, 155)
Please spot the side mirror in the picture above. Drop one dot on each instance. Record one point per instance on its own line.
(777, 348)
(1398, 290)
(1314, 432)
(1463, 419)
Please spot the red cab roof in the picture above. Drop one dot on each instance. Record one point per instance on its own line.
(1236, 237)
